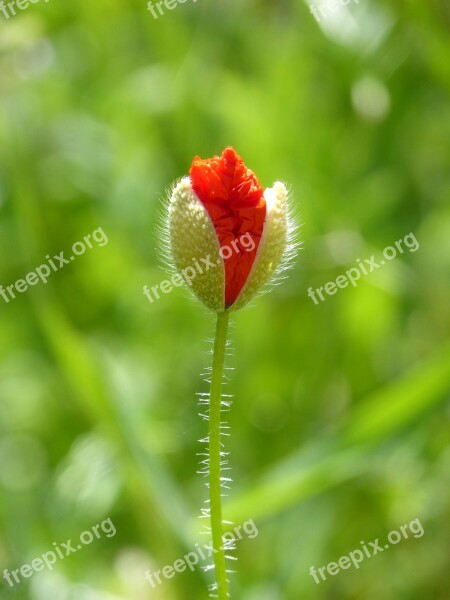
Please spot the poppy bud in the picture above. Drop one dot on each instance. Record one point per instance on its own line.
(227, 236)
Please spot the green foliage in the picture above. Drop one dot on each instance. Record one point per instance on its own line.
(340, 421)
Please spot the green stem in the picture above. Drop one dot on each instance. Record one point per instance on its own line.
(215, 448)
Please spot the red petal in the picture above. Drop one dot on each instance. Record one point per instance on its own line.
(235, 202)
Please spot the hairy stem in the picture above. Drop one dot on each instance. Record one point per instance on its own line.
(215, 448)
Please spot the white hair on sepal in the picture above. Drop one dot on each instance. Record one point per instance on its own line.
(187, 239)
(163, 246)
(279, 244)
(293, 243)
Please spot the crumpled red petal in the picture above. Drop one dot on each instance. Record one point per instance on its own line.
(234, 199)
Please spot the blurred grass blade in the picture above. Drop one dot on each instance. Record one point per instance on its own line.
(397, 405)
(384, 413)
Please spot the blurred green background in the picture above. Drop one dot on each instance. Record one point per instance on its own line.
(340, 421)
